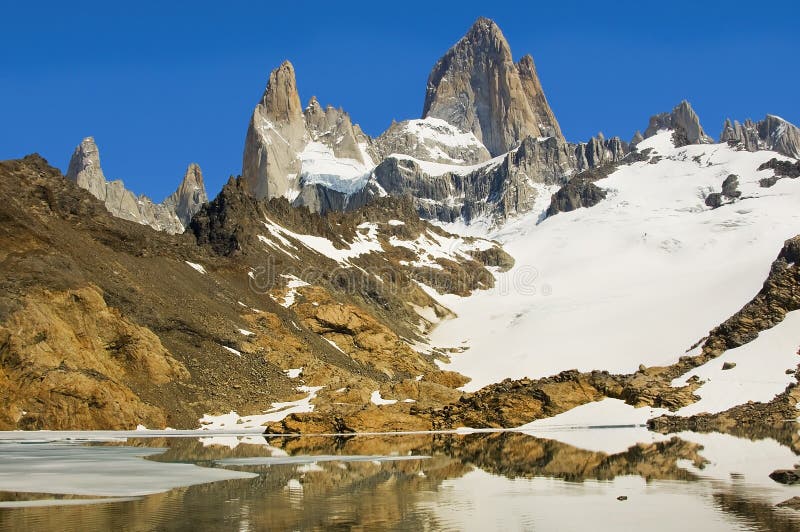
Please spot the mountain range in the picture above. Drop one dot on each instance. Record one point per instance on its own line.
(468, 268)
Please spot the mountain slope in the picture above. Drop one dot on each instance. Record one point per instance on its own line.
(635, 279)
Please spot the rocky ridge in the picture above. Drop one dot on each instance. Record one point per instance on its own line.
(771, 133)
(171, 216)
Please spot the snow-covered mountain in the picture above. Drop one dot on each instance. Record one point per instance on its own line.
(639, 278)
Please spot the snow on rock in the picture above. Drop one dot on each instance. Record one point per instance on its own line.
(376, 399)
(233, 421)
(245, 332)
(196, 266)
(439, 169)
(759, 373)
(395, 223)
(293, 373)
(319, 165)
(366, 241)
(232, 350)
(430, 246)
(291, 289)
(636, 279)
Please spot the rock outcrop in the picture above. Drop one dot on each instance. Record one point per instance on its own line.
(683, 121)
(477, 87)
(190, 196)
(431, 139)
(773, 133)
(289, 149)
(170, 216)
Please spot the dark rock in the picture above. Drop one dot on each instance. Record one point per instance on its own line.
(622, 498)
(714, 200)
(785, 476)
(730, 187)
(728, 365)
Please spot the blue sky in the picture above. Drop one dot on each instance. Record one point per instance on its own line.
(160, 86)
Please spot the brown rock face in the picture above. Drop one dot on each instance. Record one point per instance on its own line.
(476, 86)
(68, 361)
(275, 136)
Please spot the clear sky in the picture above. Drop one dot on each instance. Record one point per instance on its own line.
(162, 84)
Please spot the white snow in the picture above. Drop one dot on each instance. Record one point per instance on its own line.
(430, 246)
(319, 165)
(376, 399)
(439, 169)
(232, 350)
(366, 241)
(245, 332)
(636, 279)
(293, 373)
(759, 374)
(291, 289)
(395, 223)
(196, 266)
(233, 421)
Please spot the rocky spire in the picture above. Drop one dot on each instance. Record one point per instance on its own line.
(772, 133)
(637, 138)
(477, 87)
(190, 195)
(683, 121)
(275, 135)
(546, 120)
(84, 169)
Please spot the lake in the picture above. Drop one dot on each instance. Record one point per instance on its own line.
(562, 479)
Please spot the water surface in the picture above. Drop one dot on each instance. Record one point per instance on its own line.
(487, 481)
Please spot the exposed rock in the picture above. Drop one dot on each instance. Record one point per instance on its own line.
(730, 187)
(785, 476)
(190, 196)
(275, 136)
(683, 121)
(599, 151)
(477, 87)
(714, 200)
(431, 139)
(728, 365)
(86, 172)
(637, 138)
(580, 190)
(69, 361)
(781, 168)
(773, 133)
(545, 119)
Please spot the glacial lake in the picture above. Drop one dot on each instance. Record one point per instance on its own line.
(563, 479)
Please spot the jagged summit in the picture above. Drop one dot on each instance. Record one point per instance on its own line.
(772, 133)
(190, 195)
(684, 121)
(477, 87)
(85, 170)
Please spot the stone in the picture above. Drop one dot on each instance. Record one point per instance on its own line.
(683, 121)
(730, 187)
(85, 170)
(477, 87)
(772, 133)
(728, 365)
(785, 476)
(714, 200)
(190, 195)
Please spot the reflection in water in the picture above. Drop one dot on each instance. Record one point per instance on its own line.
(508, 481)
